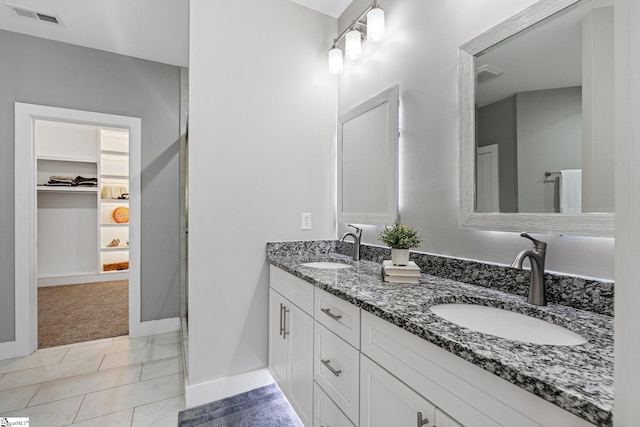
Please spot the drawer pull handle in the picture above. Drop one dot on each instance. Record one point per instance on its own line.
(422, 422)
(328, 312)
(281, 323)
(284, 322)
(329, 367)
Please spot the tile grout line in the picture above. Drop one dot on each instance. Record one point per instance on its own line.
(34, 395)
(81, 394)
(78, 410)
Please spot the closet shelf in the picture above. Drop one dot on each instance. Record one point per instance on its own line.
(115, 224)
(116, 201)
(67, 159)
(115, 249)
(52, 189)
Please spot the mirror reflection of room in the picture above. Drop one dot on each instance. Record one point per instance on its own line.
(544, 116)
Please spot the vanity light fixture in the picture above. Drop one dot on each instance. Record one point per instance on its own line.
(371, 21)
(335, 60)
(353, 44)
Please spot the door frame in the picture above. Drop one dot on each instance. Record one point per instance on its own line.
(492, 150)
(26, 291)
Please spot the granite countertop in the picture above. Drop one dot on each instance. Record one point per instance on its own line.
(577, 378)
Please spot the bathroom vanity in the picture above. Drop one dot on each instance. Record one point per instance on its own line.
(351, 350)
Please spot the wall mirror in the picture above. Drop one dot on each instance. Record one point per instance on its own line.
(536, 121)
(368, 161)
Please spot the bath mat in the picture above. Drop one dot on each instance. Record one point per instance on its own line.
(262, 407)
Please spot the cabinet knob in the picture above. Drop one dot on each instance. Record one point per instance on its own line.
(422, 422)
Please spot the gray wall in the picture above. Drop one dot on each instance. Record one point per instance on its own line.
(549, 139)
(44, 72)
(497, 125)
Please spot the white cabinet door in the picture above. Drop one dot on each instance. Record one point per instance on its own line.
(327, 413)
(291, 353)
(386, 401)
(278, 346)
(444, 420)
(299, 327)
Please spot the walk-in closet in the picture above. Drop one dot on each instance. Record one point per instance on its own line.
(82, 184)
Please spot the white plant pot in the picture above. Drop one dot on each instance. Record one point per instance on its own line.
(400, 256)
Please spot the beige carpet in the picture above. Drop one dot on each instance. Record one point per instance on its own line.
(75, 313)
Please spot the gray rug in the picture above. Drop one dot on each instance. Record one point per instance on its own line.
(261, 407)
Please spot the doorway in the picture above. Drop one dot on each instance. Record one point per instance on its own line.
(26, 180)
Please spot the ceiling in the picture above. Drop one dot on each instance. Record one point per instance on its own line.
(333, 8)
(156, 30)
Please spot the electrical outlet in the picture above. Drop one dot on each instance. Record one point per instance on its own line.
(305, 218)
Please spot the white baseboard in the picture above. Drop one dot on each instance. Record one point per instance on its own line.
(199, 394)
(7, 350)
(76, 279)
(154, 327)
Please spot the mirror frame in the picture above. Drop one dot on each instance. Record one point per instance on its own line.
(587, 224)
(389, 96)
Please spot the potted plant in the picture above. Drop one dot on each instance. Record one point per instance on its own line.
(400, 238)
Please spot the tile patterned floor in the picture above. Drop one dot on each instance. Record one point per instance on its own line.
(111, 382)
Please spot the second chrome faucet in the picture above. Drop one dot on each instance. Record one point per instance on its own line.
(536, 255)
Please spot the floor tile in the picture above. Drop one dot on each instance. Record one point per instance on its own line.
(49, 373)
(37, 359)
(102, 348)
(163, 413)
(167, 338)
(54, 414)
(87, 383)
(17, 398)
(117, 419)
(161, 368)
(141, 355)
(76, 344)
(130, 396)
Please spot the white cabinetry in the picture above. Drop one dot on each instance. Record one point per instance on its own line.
(369, 372)
(291, 341)
(386, 401)
(326, 413)
(337, 370)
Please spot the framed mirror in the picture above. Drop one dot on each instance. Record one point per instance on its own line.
(368, 161)
(536, 122)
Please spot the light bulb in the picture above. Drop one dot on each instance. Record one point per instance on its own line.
(375, 24)
(353, 44)
(335, 60)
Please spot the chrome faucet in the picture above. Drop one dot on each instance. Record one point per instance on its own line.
(356, 241)
(537, 291)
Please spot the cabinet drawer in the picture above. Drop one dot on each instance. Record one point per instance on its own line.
(444, 420)
(292, 288)
(327, 413)
(340, 316)
(336, 368)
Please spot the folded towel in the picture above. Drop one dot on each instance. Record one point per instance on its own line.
(571, 191)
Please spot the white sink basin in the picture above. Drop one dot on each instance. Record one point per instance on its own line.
(506, 324)
(326, 265)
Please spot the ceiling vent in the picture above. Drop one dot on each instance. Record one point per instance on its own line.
(34, 14)
(488, 72)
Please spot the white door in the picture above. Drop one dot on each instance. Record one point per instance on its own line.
(487, 191)
(300, 327)
(278, 346)
(386, 401)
